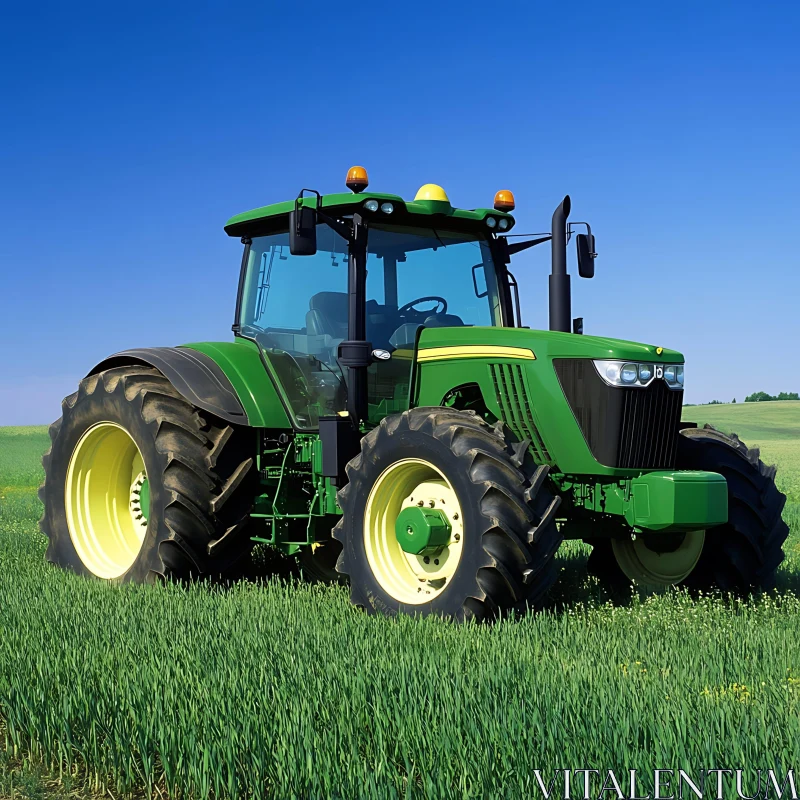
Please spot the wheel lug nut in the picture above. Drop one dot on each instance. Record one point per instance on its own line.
(457, 537)
(427, 560)
(455, 516)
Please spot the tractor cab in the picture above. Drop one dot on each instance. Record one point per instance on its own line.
(328, 279)
(296, 308)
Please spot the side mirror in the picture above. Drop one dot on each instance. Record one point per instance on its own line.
(303, 231)
(479, 292)
(586, 255)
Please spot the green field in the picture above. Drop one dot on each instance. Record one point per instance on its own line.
(283, 690)
(774, 427)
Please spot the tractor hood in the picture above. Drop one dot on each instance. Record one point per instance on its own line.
(538, 383)
(543, 345)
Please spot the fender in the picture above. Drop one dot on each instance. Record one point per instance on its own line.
(226, 379)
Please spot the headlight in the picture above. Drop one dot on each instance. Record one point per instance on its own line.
(387, 208)
(371, 205)
(502, 224)
(629, 373)
(490, 222)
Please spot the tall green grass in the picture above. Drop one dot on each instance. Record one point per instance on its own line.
(275, 690)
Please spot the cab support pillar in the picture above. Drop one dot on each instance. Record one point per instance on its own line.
(356, 352)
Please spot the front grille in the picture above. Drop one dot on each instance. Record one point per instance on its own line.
(512, 397)
(625, 427)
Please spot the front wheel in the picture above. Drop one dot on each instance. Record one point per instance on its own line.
(441, 515)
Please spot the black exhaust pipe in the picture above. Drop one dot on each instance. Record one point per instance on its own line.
(560, 293)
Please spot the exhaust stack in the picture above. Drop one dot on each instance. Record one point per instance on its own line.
(560, 292)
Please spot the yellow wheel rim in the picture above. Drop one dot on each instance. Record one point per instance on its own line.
(406, 577)
(644, 565)
(103, 500)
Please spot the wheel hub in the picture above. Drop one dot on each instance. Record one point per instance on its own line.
(140, 499)
(422, 531)
(412, 493)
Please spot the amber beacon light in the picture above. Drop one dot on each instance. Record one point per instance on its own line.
(357, 179)
(504, 201)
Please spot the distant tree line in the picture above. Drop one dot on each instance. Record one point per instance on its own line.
(760, 397)
(756, 397)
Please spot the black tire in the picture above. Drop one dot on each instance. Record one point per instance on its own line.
(510, 533)
(200, 470)
(744, 554)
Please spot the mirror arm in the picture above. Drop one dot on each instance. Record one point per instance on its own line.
(588, 233)
(518, 247)
(344, 230)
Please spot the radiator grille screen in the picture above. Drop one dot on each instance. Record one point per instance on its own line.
(634, 427)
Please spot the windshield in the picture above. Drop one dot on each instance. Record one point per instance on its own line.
(423, 276)
(295, 307)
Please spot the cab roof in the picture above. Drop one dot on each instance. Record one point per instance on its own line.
(275, 218)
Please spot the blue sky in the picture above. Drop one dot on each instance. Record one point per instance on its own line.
(129, 133)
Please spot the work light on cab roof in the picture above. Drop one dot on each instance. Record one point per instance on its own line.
(504, 201)
(357, 179)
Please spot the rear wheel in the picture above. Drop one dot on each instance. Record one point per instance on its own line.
(139, 483)
(445, 514)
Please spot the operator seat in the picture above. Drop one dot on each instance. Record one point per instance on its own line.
(327, 314)
(443, 321)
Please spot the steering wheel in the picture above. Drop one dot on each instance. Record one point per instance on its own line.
(410, 306)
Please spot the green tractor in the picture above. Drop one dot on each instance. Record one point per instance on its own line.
(383, 415)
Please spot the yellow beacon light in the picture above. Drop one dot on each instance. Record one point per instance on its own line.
(357, 179)
(430, 191)
(504, 201)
